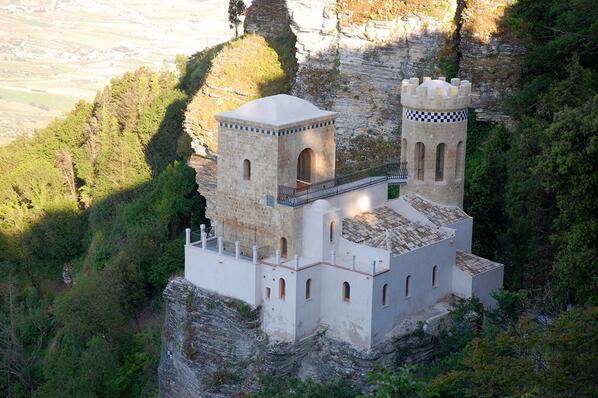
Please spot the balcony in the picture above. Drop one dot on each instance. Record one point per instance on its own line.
(394, 173)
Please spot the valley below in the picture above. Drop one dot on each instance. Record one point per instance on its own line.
(55, 52)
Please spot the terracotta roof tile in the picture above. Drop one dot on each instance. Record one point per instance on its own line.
(472, 264)
(438, 214)
(386, 229)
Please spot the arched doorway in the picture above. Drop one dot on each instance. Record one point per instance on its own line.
(305, 168)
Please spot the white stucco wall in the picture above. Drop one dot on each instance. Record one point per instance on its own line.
(347, 321)
(463, 234)
(365, 199)
(308, 310)
(418, 264)
(222, 274)
(487, 282)
(279, 315)
(461, 282)
(316, 223)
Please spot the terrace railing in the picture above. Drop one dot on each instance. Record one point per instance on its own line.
(395, 173)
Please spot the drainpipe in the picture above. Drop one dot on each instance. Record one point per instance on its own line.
(296, 262)
(254, 255)
(220, 245)
(237, 250)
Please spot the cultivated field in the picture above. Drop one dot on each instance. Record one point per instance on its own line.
(52, 53)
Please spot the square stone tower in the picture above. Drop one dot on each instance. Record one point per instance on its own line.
(434, 134)
(266, 144)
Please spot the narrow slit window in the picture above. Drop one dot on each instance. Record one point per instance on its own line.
(408, 286)
(434, 276)
(385, 294)
(268, 293)
(281, 289)
(308, 289)
(331, 237)
(420, 158)
(246, 170)
(346, 292)
(284, 246)
(460, 158)
(440, 162)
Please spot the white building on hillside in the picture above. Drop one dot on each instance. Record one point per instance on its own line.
(317, 249)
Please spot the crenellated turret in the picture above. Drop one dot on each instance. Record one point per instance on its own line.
(434, 134)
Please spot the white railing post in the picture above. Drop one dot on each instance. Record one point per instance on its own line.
(187, 236)
(277, 257)
(353, 264)
(296, 262)
(202, 228)
(237, 250)
(204, 241)
(220, 245)
(333, 257)
(254, 255)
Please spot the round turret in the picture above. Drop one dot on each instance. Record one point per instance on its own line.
(434, 133)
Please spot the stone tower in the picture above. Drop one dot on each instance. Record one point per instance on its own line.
(266, 144)
(434, 134)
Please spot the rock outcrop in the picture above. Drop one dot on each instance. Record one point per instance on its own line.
(212, 347)
(490, 56)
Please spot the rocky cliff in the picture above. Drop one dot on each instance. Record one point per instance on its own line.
(352, 55)
(213, 347)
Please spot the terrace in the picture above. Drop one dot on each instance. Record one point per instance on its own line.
(305, 192)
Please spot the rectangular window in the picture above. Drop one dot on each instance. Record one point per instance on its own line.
(267, 292)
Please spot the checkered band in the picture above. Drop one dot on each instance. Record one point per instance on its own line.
(436, 117)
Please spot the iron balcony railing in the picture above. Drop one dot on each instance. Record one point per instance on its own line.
(395, 173)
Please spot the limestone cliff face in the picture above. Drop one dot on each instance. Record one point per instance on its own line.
(490, 56)
(213, 347)
(353, 63)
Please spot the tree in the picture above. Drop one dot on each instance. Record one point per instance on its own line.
(236, 8)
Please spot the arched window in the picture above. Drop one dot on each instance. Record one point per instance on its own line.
(346, 292)
(305, 166)
(434, 278)
(385, 294)
(460, 158)
(440, 162)
(282, 289)
(283, 247)
(308, 289)
(246, 170)
(408, 286)
(404, 150)
(331, 231)
(420, 157)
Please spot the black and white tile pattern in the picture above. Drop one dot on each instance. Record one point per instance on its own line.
(436, 117)
(277, 133)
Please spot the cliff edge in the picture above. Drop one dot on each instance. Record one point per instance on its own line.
(212, 347)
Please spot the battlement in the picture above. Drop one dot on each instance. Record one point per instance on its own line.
(435, 94)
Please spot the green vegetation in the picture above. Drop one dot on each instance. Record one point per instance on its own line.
(105, 194)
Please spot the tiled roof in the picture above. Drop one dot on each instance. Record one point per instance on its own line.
(438, 214)
(473, 264)
(386, 229)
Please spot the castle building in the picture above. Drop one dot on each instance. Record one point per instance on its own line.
(316, 248)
